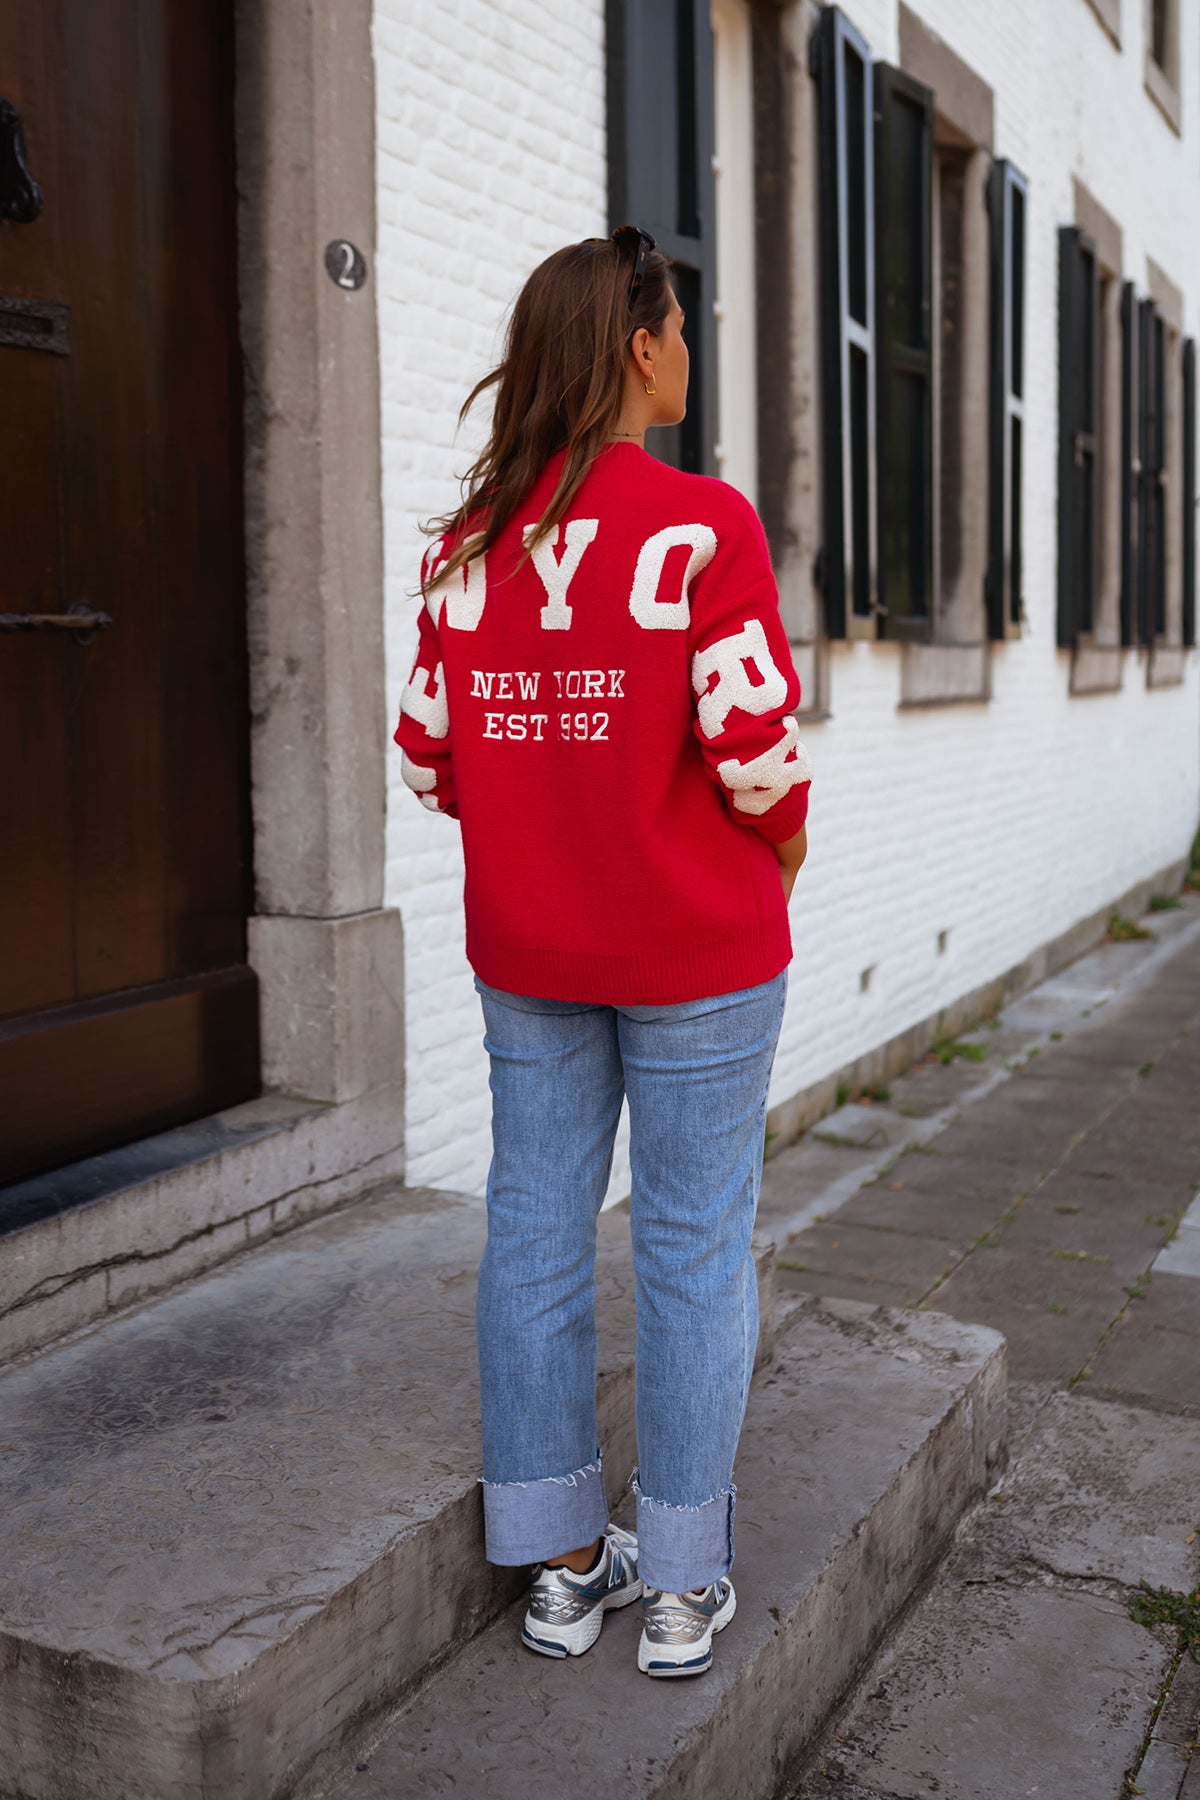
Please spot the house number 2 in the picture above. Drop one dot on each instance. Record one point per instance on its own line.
(345, 264)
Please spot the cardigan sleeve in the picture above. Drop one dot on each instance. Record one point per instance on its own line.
(423, 733)
(746, 691)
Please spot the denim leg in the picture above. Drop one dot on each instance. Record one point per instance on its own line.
(697, 1078)
(556, 1097)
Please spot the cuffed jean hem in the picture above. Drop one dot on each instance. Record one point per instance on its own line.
(527, 1521)
(681, 1547)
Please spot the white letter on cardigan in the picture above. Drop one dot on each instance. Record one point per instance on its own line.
(668, 615)
(421, 781)
(556, 575)
(727, 660)
(757, 785)
(425, 704)
(464, 595)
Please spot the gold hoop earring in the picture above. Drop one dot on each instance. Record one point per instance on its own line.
(651, 390)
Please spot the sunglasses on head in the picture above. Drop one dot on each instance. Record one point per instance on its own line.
(645, 244)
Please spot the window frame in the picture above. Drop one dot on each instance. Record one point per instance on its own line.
(1005, 604)
(1079, 395)
(642, 40)
(1161, 79)
(1154, 484)
(1131, 484)
(896, 360)
(850, 591)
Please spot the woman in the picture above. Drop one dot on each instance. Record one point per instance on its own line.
(603, 696)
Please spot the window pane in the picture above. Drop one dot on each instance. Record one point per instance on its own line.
(1085, 479)
(1087, 348)
(1017, 291)
(1157, 553)
(902, 531)
(1015, 482)
(857, 223)
(682, 445)
(858, 499)
(1158, 32)
(902, 257)
(688, 145)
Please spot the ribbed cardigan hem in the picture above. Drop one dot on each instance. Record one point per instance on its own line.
(665, 976)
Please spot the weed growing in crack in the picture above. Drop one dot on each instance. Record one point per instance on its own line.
(1164, 902)
(948, 1050)
(1125, 931)
(1163, 1606)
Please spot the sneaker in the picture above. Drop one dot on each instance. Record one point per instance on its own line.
(566, 1610)
(677, 1629)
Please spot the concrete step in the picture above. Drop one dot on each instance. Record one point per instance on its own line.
(239, 1522)
(868, 1435)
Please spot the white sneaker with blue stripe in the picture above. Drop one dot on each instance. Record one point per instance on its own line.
(678, 1629)
(566, 1610)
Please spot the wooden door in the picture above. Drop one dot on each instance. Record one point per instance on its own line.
(125, 1001)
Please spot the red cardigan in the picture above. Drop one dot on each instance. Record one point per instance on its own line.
(611, 722)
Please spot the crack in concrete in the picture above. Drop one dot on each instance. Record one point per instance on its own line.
(50, 1286)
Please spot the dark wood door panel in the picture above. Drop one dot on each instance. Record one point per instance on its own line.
(79, 1079)
(124, 764)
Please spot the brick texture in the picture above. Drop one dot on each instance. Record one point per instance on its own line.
(1000, 824)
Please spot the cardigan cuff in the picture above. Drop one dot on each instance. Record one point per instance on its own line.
(785, 818)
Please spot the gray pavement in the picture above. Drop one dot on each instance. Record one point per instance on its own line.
(1050, 1189)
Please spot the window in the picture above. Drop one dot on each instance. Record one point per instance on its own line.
(1006, 202)
(1078, 414)
(1162, 59)
(1158, 478)
(904, 352)
(660, 149)
(1131, 468)
(1161, 46)
(847, 164)
(909, 412)
(1152, 479)
(1090, 456)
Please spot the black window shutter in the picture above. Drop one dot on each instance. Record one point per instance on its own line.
(1152, 612)
(1007, 191)
(660, 176)
(904, 351)
(1130, 468)
(1078, 378)
(1189, 492)
(842, 65)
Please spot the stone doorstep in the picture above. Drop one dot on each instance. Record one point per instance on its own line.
(865, 1441)
(241, 1520)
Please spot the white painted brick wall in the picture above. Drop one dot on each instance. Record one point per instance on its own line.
(1000, 824)
(491, 154)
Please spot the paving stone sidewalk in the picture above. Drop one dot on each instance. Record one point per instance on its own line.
(1040, 1177)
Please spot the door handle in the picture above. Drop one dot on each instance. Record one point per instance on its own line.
(83, 622)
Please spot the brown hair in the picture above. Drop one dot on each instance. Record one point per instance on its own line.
(561, 383)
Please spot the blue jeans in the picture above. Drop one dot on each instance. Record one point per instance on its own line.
(696, 1077)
